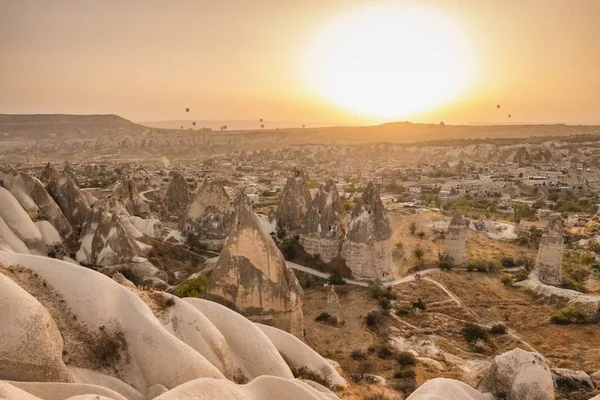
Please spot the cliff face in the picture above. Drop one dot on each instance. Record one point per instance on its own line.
(295, 202)
(322, 232)
(550, 253)
(252, 276)
(456, 240)
(209, 217)
(367, 249)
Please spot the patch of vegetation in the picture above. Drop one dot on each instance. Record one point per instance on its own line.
(405, 358)
(403, 311)
(373, 319)
(336, 279)
(498, 329)
(483, 266)
(326, 318)
(521, 275)
(420, 304)
(385, 352)
(162, 301)
(405, 373)
(507, 280)
(358, 354)
(194, 287)
(445, 262)
(508, 262)
(566, 316)
(108, 348)
(472, 333)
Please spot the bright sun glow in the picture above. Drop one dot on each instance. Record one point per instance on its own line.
(390, 61)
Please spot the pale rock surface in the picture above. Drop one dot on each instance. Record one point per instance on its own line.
(455, 245)
(210, 216)
(105, 241)
(570, 380)
(10, 241)
(303, 360)
(30, 343)
(10, 392)
(70, 199)
(368, 249)
(49, 234)
(141, 272)
(20, 223)
(153, 356)
(518, 375)
(261, 388)
(178, 195)
(447, 389)
(150, 226)
(550, 253)
(322, 231)
(91, 377)
(295, 202)
(252, 353)
(251, 275)
(34, 198)
(69, 391)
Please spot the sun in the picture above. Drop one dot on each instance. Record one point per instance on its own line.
(391, 61)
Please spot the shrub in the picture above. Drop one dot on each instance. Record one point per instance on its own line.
(445, 262)
(420, 304)
(498, 329)
(473, 333)
(336, 279)
(507, 280)
(325, 317)
(385, 303)
(372, 319)
(403, 311)
(385, 352)
(405, 373)
(566, 316)
(107, 348)
(405, 358)
(526, 262)
(521, 275)
(507, 262)
(412, 228)
(528, 291)
(194, 287)
(358, 354)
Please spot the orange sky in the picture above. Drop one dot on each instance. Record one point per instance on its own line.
(148, 60)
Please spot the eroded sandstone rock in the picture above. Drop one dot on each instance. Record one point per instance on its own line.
(252, 276)
(295, 202)
(209, 218)
(178, 195)
(322, 230)
(367, 249)
(550, 252)
(455, 245)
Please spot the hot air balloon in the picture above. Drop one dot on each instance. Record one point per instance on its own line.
(509, 115)
(262, 126)
(187, 110)
(181, 127)
(498, 106)
(193, 123)
(261, 120)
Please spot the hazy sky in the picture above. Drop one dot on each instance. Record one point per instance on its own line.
(248, 59)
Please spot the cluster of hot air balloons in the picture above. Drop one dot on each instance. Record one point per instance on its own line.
(498, 107)
(261, 124)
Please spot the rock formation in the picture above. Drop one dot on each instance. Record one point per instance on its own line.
(49, 174)
(34, 198)
(368, 249)
(178, 196)
(209, 218)
(126, 192)
(455, 245)
(322, 231)
(333, 306)
(518, 375)
(295, 202)
(105, 241)
(252, 276)
(159, 344)
(18, 232)
(550, 252)
(71, 200)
